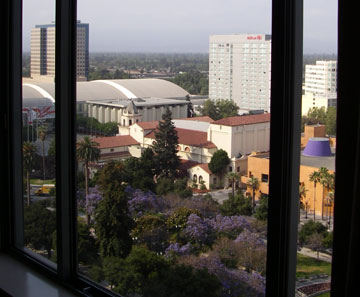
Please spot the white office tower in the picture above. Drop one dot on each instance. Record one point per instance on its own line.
(321, 78)
(240, 70)
(42, 46)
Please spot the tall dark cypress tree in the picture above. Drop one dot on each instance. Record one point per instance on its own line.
(166, 159)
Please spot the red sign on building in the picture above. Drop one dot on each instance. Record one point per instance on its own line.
(258, 37)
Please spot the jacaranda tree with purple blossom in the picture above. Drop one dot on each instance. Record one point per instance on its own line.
(143, 202)
(252, 252)
(91, 202)
(198, 231)
(228, 226)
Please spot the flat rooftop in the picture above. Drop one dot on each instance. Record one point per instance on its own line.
(316, 162)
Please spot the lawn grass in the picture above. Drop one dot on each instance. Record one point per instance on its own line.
(307, 266)
(37, 181)
(324, 295)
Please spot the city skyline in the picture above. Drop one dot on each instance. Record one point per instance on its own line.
(182, 27)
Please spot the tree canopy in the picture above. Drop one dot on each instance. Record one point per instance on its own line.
(112, 221)
(219, 109)
(39, 226)
(236, 205)
(219, 162)
(321, 116)
(194, 82)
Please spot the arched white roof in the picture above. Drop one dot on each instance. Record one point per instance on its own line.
(98, 90)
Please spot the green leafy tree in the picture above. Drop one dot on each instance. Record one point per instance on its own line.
(308, 229)
(39, 226)
(147, 274)
(184, 281)
(151, 230)
(314, 116)
(219, 162)
(219, 109)
(194, 82)
(166, 141)
(178, 219)
(29, 152)
(139, 172)
(181, 189)
(87, 246)
(42, 132)
(164, 186)
(253, 183)
(141, 269)
(261, 212)
(315, 177)
(330, 121)
(236, 205)
(113, 223)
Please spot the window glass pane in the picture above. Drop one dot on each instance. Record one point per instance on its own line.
(153, 208)
(38, 133)
(318, 148)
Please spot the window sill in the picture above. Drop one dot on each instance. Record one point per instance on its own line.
(17, 279)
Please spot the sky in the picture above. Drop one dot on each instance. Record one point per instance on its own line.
(182, 26)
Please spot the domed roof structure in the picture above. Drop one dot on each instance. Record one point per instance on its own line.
(119, 89)
(317, 147)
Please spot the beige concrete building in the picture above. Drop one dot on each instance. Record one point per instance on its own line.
(42, 47)
(311, 100)
(240, 70)
(321, 78)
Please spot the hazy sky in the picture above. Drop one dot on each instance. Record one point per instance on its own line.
(182, 26)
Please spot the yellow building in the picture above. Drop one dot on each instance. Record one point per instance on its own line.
(258, 167)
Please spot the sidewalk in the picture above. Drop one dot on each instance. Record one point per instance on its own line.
(322, 256)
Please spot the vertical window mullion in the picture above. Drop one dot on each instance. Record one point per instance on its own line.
(15, 121)
(65, 92)
(286, 81)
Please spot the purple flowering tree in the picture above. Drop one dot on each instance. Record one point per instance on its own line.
(251, 251)
(176, 249)
(91, 202)
(198, 231)
(141, 203)
(228, 226)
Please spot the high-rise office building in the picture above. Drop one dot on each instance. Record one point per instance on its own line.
(43, 51)
(321, 78)
(240, 70)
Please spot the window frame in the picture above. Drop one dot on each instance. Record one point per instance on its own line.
(287, 21)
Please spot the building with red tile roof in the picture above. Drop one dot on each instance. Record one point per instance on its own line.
(115, 141)
(117, 147)
(244, 120)
(190, 138)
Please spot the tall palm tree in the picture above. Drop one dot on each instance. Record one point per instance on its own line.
(232, 176)
(253, 182)
(29, 151)
(41, 132)
(327, 181)
(330, 199)
(315, 177)
(302, 196)
(87, 151)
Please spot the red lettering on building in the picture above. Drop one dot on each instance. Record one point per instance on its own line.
(258, 37)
